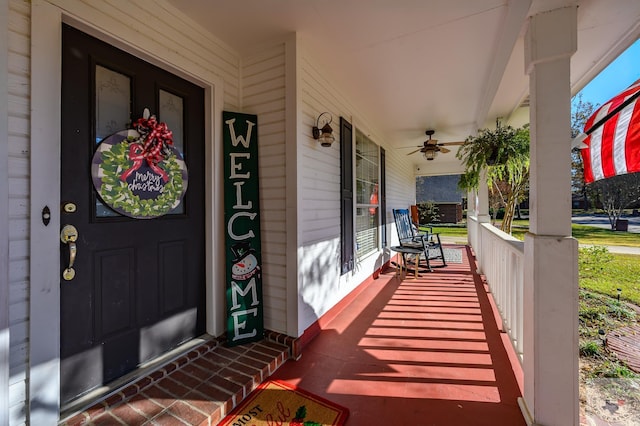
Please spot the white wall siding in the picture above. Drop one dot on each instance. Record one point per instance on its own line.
(401, 188)
(263, 93)
(168, 34)
(18, 173)
(321, 286)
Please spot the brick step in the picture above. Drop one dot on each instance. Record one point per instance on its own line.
(199, 388)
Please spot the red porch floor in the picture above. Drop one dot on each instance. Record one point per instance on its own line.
(416, 352)
(424, 351)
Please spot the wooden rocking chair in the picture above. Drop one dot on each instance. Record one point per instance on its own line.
(409, 236)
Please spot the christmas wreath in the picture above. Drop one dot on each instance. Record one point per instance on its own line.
(138, 172)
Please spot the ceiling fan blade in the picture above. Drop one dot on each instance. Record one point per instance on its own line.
(432, 142)
(444, 150)
(413, 152)
(451, 143)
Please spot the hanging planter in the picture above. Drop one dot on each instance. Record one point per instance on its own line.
(493, 156)
(491, 146)
(503, 153)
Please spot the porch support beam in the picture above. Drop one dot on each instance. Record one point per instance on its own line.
(551, 275)
(482, 207)
(482, 214)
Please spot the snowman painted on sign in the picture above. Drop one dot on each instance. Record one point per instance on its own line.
(245, 264)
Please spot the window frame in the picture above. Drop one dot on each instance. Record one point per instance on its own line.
(366, 184)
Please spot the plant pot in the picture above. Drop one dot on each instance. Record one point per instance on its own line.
(492, 159)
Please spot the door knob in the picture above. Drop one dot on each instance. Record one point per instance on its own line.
(69, 236)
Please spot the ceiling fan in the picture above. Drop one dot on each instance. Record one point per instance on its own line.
(430, 148)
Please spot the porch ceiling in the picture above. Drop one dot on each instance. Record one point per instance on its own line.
(410, 65)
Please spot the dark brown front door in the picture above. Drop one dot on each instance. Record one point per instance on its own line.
(138, 289)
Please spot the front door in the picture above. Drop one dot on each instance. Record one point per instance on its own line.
(138, 288)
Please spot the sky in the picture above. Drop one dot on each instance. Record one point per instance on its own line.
(621, 73)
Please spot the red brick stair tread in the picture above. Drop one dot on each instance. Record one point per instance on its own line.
(199, 388)
(625, 342)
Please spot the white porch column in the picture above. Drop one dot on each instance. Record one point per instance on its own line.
(482, 206)
(482, 213)
(551, 271)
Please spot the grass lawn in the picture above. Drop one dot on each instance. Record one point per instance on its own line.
(605, 273)
(600, 236)
(585, 234)
(452, 231)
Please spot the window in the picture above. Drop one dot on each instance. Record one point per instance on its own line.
(367, 196)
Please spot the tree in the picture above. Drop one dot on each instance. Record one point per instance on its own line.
(428, 212)
(497, 198)
(580, 113)
(616, 193)
(504, 152)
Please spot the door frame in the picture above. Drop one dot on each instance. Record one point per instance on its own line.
(46, 48)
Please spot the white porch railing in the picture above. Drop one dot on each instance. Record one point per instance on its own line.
(501, 259)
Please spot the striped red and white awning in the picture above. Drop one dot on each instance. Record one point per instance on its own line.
(613, 141)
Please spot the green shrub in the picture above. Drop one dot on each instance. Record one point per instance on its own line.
(614, 370)
(594, 256)
(589, 349)
(592, 313)
(619, 310)
(593, 260)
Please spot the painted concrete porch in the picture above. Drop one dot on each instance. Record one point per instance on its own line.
(425, 351)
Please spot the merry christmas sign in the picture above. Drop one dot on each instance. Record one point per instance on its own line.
(138, 172)
(242, 224)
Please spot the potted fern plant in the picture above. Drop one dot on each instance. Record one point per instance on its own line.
(504, 152)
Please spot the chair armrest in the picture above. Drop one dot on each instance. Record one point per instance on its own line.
(431, 239)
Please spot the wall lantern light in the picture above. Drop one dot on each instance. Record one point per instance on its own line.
(324, 134)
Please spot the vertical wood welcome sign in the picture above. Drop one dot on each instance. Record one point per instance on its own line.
(242, 224)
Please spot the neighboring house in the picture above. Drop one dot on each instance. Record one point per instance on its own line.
(444, 193)
(440, 189)
(321, 239)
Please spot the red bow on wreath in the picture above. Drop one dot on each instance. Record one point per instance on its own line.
(156, 138)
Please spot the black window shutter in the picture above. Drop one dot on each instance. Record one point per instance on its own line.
(346, 197)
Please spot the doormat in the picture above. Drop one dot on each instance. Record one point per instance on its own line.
(276, 402)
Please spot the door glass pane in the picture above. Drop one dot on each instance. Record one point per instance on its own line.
(171, 112)
(113, 100)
